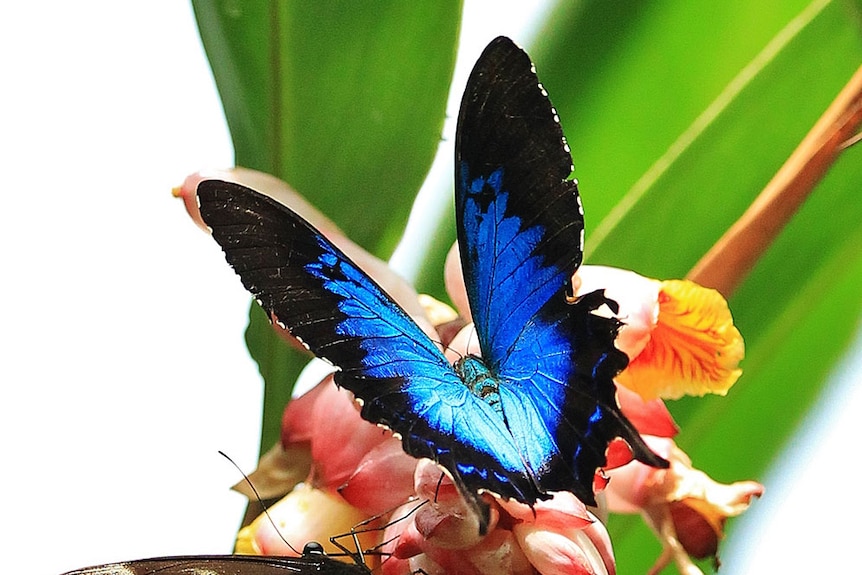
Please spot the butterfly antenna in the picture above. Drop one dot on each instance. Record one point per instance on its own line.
(260, 501)
(362, 527)
(409, 513)
(395, 537)
(437, 489)
(446, 348)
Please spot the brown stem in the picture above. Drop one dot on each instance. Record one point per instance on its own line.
(732, 257)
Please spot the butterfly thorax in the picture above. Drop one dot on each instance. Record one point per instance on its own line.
(479, 380)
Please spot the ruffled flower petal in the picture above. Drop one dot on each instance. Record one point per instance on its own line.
(694, 349)
(499, 552)
(562, 511)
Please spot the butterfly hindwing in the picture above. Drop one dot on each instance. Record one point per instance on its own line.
(520, 231)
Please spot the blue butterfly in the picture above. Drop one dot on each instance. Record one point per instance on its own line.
(536, 412)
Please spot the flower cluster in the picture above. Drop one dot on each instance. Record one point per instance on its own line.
(342, 471)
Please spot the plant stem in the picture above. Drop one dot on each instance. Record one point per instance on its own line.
(728, 262)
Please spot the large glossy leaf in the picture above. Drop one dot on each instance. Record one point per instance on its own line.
(680, 117)
(345, 102)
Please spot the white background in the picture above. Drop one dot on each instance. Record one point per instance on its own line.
(122, 363)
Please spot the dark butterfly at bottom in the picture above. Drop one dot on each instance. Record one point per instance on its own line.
(312, 561)
(536, 412)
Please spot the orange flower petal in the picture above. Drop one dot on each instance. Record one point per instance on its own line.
(693, 350)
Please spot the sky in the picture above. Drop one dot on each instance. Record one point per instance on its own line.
(123, 363)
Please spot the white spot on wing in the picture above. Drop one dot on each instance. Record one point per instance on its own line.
(299, 339)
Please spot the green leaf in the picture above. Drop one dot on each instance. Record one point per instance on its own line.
(682, 114)
(345, 101)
